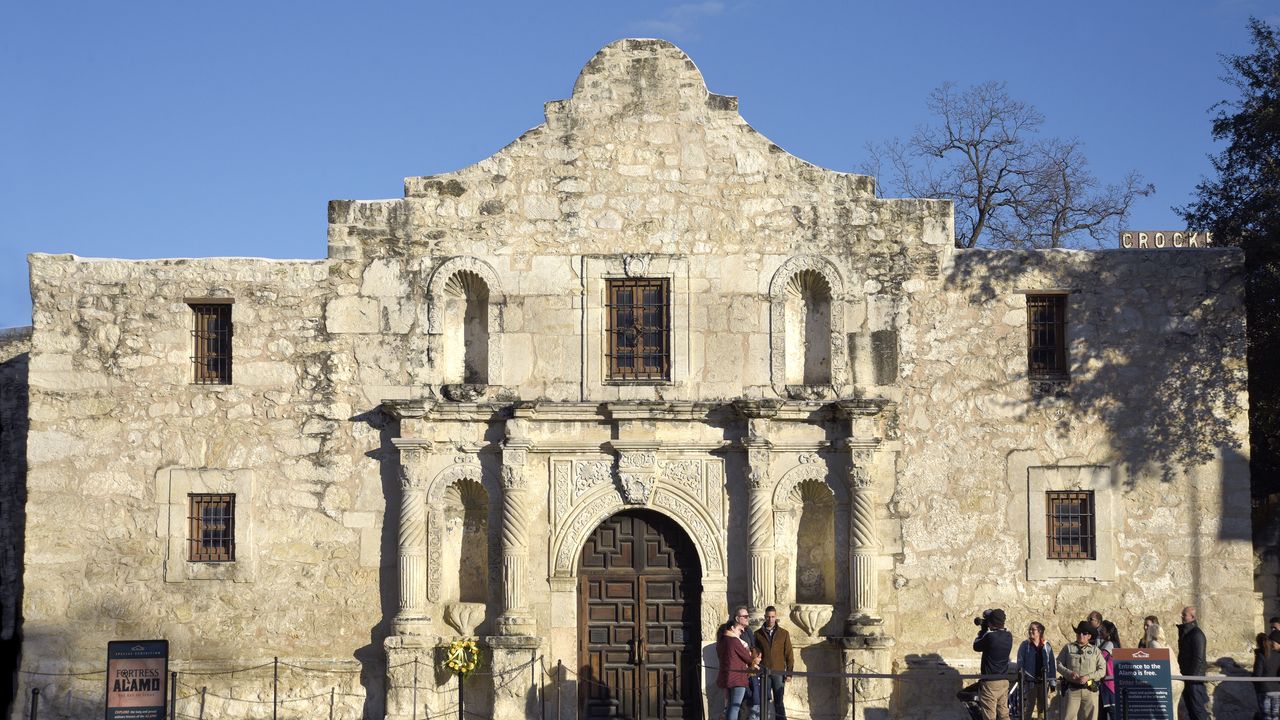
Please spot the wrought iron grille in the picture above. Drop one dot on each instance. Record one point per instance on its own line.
(211, 343)
(1047, 335)
(1070, 525)
(639, 346)
(211, 527)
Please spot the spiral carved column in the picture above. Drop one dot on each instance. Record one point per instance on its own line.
(863, 602)
(515, 540)
(411, 617)
(760, 524)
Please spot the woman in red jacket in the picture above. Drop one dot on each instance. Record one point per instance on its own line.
(735, 669)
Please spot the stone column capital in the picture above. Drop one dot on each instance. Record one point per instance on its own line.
(413, 466)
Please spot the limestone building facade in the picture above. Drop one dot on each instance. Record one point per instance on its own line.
(581, 399)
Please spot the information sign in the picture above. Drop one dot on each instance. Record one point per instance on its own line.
(1144, 683)
(136, 679)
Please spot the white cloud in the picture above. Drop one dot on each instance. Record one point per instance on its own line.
(680, 21)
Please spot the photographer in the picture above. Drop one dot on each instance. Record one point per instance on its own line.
(995, 644)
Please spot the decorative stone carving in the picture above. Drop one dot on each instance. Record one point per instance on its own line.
(811, 618)
(465, 467)
(411, 542)
(636, 487)
(464, 392)
(636, 265)
(464, 617)
(684, 473)
(588, 474)
(636, 459)
(441, 275)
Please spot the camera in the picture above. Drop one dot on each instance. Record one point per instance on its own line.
(986, 617)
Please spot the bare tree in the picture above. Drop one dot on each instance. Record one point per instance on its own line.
(1010, 187)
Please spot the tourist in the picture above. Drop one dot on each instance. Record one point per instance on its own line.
(735, 664)
(1109, 641)
(1271, 669)
(751, 703)
(1152, 633)
(1095, 622)
(1191, 662)
(1081, 666)
(1035, 662)
(778, 658)
(994, 642)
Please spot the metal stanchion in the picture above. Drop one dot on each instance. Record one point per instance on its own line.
(415, 687)
(559, 685)
(173, 694)
(202, 692)
(275, 686)
(35, 703)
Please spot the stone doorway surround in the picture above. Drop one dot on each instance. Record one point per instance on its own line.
(588, 461)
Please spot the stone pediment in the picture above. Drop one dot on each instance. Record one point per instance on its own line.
(640, 156)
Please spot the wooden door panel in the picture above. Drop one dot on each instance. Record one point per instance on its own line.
(638, 583)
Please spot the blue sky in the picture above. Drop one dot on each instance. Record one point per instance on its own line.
(168, 129)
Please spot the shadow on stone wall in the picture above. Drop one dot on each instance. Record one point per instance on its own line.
(15, 345)
(927, 684)
(373, 657)
(1167, 403)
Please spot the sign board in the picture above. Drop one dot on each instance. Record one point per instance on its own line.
(1161, 239)
(1144, 683)
(137, 674)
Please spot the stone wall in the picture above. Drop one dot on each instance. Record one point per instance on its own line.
(15, 344)
(641, 173)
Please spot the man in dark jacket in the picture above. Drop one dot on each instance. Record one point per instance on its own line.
(1191, 662)
(775, 655)
(995, 643)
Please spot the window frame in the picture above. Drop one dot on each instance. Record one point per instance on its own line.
(1080, 526)
(638, 308)
(1047, 338)
(211, 347)
(202, 532)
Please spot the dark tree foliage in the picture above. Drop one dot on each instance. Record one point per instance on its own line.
(1242, 207)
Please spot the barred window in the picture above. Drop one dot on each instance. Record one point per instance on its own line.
(211, 527)
(211, 343)
(1047, 335)
(639, 313)
(1071, 530)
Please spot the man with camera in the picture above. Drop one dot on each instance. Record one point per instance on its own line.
(995, 643)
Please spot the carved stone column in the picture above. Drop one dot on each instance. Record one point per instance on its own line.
(863, 549)
(759, 501)
(411, 551)
(515, 619)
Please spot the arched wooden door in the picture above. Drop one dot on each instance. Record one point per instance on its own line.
(638, 626)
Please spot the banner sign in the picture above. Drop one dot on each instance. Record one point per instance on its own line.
(137, 672)
(1160, 239)
(1144, 683)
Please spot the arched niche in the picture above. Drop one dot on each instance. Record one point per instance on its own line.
(808, 352)
(465, 314)
(809, 510)
(465, 547)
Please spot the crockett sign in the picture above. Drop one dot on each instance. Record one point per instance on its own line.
(1152, 239)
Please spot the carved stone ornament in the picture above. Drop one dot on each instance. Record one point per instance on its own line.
(859, 477)
(637, 459)
(413, 474)
(811, 618)
(636, 487)
(809, 392)
(464, 392)
(513, 477)
(514, 455)
(636, 265)
(465, 617)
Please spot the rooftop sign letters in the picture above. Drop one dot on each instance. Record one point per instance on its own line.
(1158, 239)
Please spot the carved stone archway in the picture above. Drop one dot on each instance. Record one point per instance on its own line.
(778, 319)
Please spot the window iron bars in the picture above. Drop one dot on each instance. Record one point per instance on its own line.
(1070, 525)
(211, 527)
(211, 344)
(639, 314)
(1047, 335)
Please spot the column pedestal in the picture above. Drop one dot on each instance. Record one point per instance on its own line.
(515, 681)
(866, 698)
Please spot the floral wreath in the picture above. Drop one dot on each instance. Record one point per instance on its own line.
(462, 657)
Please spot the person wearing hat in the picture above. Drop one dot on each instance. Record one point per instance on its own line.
(995, 643)
(1271, 669)
(1081, 666)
